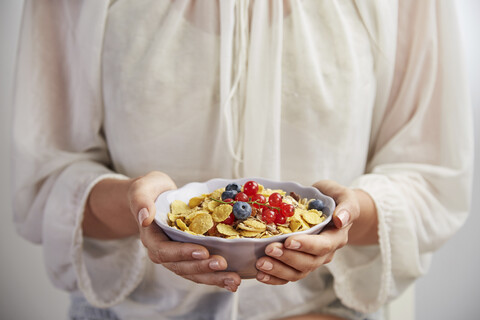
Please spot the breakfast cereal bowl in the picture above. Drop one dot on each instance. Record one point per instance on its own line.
(241, 254)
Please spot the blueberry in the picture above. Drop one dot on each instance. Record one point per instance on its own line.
(234, 187)
(229, 194)
(242, 210)
(316, 204)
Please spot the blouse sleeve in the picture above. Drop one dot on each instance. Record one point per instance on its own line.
(419, 171)
(59, 152)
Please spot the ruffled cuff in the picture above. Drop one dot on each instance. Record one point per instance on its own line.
(366, 277)
(105, 271)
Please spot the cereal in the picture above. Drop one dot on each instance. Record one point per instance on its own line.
(181, 225)
(312, 216)
(221, 212)
(195, 201)
(259, 213)
(201, 223)
(179, 207)
(227, 230)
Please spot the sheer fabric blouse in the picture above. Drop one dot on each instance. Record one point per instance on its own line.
(371, 94)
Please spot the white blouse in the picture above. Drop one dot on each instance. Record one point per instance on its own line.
(371, 94)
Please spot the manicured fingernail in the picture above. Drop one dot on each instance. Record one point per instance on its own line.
(142, 215)
(344, 217)
(214, 264)
(229, 282)
(276, 252)
(294, 245)
(231, 289)
(199, 255)
(263, 277)
(267, 265)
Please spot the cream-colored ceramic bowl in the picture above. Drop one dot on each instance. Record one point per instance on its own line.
(241, 254)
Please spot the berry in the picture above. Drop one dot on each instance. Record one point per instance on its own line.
(230, 201)
(280, 218)
(268, 215)
(241, 197)
(234, 187)
(242, 210)
(316, 204)
(259, 198)
(230, 219)
(250, 188)
(275, 199)
(229, 194)
(287, 209)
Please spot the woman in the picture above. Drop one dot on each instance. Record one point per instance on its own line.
(119, 101)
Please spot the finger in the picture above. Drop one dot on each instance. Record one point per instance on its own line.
(278, 270)
(300, 261)
(164, 250)
(318, 245)
(227, 280)
(144, 191)
(269, 279)
(191, 267)
(347, 207)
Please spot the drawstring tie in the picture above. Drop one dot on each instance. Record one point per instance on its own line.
(233, 116)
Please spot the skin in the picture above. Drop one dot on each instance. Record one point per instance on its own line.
(114, 207)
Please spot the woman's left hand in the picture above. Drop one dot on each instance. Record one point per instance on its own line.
(302, 254)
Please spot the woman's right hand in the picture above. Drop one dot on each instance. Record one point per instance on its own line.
(191, 261)
(121, 208)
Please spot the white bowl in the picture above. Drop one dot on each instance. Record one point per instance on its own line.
(241, 254)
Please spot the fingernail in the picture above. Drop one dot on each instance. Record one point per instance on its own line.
(142, 215)
(294, 245)
(344, 217)
(267, 265)
(276, 252)
(231, 289)
(214, 264)
(263, 277)
(229, 282)
(200, 255)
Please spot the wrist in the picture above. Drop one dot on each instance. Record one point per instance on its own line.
(364, 230)
(107, 212)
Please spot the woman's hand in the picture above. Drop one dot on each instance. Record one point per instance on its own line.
(129, 206)
(354, 222)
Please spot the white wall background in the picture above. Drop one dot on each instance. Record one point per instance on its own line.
(450, 291)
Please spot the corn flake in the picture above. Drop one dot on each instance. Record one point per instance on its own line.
(201, 223)
(221, 212)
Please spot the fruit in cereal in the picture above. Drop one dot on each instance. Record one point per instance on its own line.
(250, 188)
(287, 209)
(242, 210)
(268, 215)
(234, 187)
(275, 199)
(241, 196)
(316, 204)
(229, 194)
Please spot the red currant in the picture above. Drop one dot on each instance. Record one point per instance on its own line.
(275, 199)
(268, 215)
(230, 219)
(287, 209)
(250, 188)
(259, 198)
(229, 201)
(280, 218)
(241, 197)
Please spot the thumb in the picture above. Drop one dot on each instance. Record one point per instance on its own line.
(346, 209)
(143, 193)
